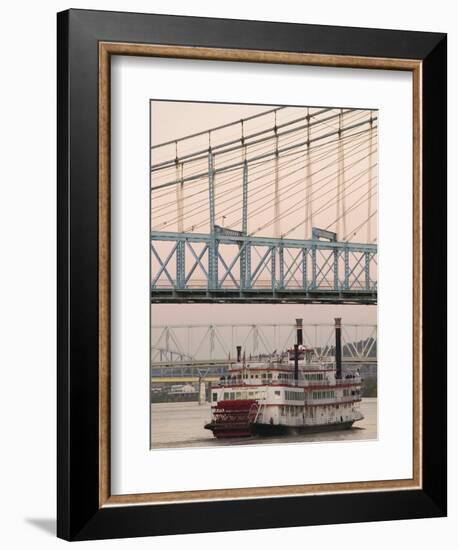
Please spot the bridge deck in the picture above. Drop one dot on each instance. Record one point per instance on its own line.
(193, 295)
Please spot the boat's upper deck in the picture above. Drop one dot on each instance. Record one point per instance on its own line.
(255, 372)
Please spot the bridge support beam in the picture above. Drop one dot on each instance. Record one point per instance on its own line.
(347, 270)
(281, 259)
(367, 270)
(180, 265)
(273, 268)
(336, 269)
(304, 269)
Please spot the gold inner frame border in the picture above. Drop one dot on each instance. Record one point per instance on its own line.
(106, 50)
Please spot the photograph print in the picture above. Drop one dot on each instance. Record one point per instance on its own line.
(263, 270)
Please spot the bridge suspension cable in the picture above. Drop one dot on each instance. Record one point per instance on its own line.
(267, 155)
(252, 205)
(227, 203)
(223, 126)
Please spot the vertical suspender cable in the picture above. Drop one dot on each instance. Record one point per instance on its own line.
(276, 190)
(244, 183)
(182, 195)
(242, 141)
(244, 267)
(339, 190)
(369, 199)
(211, 184)
(308, 185)
(212, 249)
(178, 190)
(245, 199)
(341, 223)
(342, 170)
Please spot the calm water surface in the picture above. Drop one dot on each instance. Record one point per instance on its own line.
(182, 425)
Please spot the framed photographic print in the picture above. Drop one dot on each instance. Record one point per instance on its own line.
(252, 268)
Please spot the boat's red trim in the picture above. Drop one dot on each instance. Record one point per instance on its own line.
(303, 404)
(305, 388)
(276, 369)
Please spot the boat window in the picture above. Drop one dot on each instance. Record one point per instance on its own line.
(323, 394)
(215, 396)
(226, 395)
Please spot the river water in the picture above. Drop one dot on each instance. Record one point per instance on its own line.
(175, 425)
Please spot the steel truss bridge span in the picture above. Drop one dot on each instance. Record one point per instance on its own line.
(208, 350)
(237, 268)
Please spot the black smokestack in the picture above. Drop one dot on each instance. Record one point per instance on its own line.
(338, 349)
(239, 354)
(296, 362)
(299, 331)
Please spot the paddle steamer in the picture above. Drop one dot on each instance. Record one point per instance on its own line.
(289, 392)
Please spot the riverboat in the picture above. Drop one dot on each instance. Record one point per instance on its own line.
(293, 391)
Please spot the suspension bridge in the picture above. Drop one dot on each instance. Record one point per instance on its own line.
(276, 207)
(201, 350)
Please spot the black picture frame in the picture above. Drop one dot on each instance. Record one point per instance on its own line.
(80, 516)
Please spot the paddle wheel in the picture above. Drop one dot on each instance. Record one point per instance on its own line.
(233, 418)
